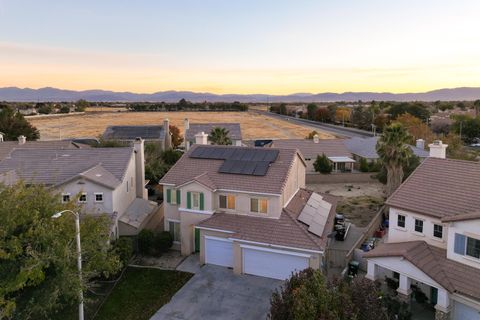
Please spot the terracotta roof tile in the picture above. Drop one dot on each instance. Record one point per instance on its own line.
(440, 188)
(309, 149)
(452, 275)
(234, 130)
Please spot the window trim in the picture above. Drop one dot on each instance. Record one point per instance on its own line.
(227, 202)
(258, 205)
(404, 221)
(98, 194)
(68, 194)
(192, 195)
(415, 226)
(86, 198)
(437, 225)
(466, 247)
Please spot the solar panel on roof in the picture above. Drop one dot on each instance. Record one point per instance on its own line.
(248, 155)
(226, 166)
(249, 167)
(261, 168)
(271, 155)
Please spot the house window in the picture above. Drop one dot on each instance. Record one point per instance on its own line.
(127, 186)
(258, 205)
(473, 248)
(401, 221)
(99, 197)
(227, 201)
(174, 229)
(196, 200)
(173, 199)
(438, 231)
(419, 225)
(65, 197)
(83, 198)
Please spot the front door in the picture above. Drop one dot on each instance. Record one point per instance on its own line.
(197, 240)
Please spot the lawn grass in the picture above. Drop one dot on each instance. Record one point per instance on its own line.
(141, 292)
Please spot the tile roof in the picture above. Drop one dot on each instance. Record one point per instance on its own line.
(188, 169)
(440, 188)
(366, 148)
(155, 132)
(285, 231)
(54, 167)
(138, 211)
(7, 147)
(453, 276)
(234, 130)
(309, 149)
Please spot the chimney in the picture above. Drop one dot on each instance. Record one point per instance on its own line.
(420, 143)
(168, 138)
(140, 190)
(1, 136)
(22, 139)
(186, 126)
(201, 138)
(316, 138)
(438, 149)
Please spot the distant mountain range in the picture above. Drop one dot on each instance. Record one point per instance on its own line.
(55, 95)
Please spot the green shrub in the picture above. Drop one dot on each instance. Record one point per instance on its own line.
(163, 241)
(64, 109)
(45, 109)
(146, 241)
(322, 164)
(124, 249)
(364, 167)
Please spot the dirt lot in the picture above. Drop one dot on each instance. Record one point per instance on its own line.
(93, 124)
(360, 202)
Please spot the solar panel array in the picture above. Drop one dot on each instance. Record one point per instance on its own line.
(246, 161)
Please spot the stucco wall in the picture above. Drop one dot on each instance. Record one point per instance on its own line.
(77, 186)
(469, 228)
(398, 234)
(295, 180)
(121, 198)
(188, 221)
(341, 177)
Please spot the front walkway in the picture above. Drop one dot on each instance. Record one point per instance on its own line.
(215, 293)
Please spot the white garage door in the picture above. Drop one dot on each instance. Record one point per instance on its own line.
(218, 251)
(277, 264)
(465, 312)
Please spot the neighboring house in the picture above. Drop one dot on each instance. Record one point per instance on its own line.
(245, 208)
(153, 133)
(434, 237)
(6, 147)
(105, 180)
(193, 129)
(366, 148)
(334, 149)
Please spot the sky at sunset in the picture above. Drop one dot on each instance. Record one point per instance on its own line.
(245, 46)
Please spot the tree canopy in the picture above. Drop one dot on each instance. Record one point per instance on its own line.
(322, 164)
(177, 138)
(38, 272)
(14, 124)
(219, 136)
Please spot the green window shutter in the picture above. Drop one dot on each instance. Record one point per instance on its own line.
(178, 197)
(202, 200)
(189, 200)
(169, 196)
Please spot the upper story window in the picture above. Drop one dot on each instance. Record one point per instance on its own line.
(464, 245)
(258, 205)
(83, 198)
(173, 196)
(65, 197)
(419, 225)
(195, 200)
(473, 247)
(99, 197)
(438, 231)
(227, 201)
(401, 221)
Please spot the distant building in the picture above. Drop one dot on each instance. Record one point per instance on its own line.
(150, 133)
(192, 129)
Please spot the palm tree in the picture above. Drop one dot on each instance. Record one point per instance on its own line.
(219, 136)
(394, 153)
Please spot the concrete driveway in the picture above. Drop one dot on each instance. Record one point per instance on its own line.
(216, 293)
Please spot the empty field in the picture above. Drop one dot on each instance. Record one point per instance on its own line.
(92, 124)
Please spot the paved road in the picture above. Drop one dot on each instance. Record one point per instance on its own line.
(339, 131)
(215, 293)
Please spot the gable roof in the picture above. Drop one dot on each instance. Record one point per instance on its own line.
(188, 169)
(366, 148)
(7, 147)
(440, 188)
(152, 132)
(309, 149)
(53, 167)
(286, 231)
(453, 276)
(234, 130)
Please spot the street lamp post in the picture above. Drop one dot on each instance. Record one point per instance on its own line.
(79, 255)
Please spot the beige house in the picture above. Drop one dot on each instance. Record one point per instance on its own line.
(434, 237)
(246, 208)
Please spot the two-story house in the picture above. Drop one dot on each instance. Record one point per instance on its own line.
(246, 208)
(102, 180)
(434, 237)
